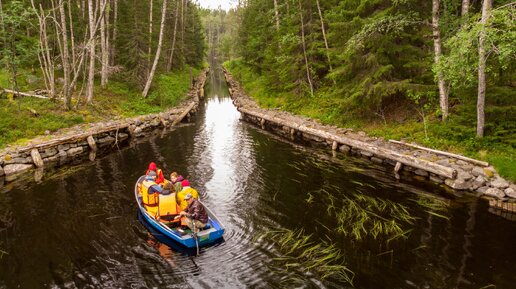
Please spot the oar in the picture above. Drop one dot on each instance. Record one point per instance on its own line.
(194, 235)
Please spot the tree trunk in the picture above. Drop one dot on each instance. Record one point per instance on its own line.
(72, 38)
(104, 46)
(171, 56)
(113, 39)
(65, 58)
(443, 94)
(324, 35)
(304, 49)
(45, 61)
(149, 51)
(276, 15)
(158, 51)
(91, 70)
(2, 15)
(482, 57)
(465, 8)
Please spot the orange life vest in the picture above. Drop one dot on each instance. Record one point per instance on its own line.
(150, 200)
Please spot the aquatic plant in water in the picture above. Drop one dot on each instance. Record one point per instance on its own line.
(359, 215)
(300, 253)
(433, 205)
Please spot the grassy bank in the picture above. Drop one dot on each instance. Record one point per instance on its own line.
(401, 120)
(18, 123)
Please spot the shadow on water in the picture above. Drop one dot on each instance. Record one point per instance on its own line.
(79, 229)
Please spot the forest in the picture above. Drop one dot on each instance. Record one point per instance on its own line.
(441, 73)
(65, 62)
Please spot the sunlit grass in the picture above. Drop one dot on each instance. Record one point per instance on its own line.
(300, 253)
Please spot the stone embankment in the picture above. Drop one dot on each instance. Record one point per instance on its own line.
(455, 171)
(88, 140)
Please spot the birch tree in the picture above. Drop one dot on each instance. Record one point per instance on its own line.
(149, 50)
(158, 51)
(91, 69)
(113, 42)
(304, 49)
(104, 45)
(276, 15)
(464, 8)
(45, 60)
(482, 58)
(324, 35)
(443, 93)
(174, 34)
(65, 57)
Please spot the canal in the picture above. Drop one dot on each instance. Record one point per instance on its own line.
(295, 218)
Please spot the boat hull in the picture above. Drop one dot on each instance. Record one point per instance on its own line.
(203, 238)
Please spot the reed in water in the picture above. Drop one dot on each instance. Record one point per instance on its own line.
(302, 254)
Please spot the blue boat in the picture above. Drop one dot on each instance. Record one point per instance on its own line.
(209, 235)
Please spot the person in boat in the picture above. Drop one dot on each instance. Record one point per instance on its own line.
(195, 214)
(176, 181)
(185, 191)
(159, 173)
(150, 191)
(168, 189)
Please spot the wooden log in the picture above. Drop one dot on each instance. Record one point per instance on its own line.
(334, 146)
(25, 94)
(397, 168)
(183, 114)
(459, 157)
(92, 143)
(364, 146)
(36, 158)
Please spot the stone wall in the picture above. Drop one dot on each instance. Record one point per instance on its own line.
(455, 171)
(86, 141)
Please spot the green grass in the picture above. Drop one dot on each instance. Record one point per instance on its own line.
(457, 135)
(18, 124)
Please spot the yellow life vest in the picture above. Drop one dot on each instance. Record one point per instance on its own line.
(181, 197)
(149, 200)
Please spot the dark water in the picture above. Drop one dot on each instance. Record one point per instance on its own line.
(79, 228)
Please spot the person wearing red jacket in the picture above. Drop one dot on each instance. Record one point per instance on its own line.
(160, 179)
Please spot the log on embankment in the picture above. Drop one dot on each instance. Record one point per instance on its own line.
(364, 146)
(452, 170)
(83, 141)
(13, 92)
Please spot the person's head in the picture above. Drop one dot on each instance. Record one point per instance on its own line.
(151, 176)
(173, 177)
(189, 198)
(167, 188)
(152, 166)
(185, 183)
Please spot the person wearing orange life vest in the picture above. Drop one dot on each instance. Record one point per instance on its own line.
(159, 173)
(150, 191)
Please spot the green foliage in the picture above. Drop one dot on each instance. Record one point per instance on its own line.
(172, 87)
(459, 66)
(17, 49)
(119, 99)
